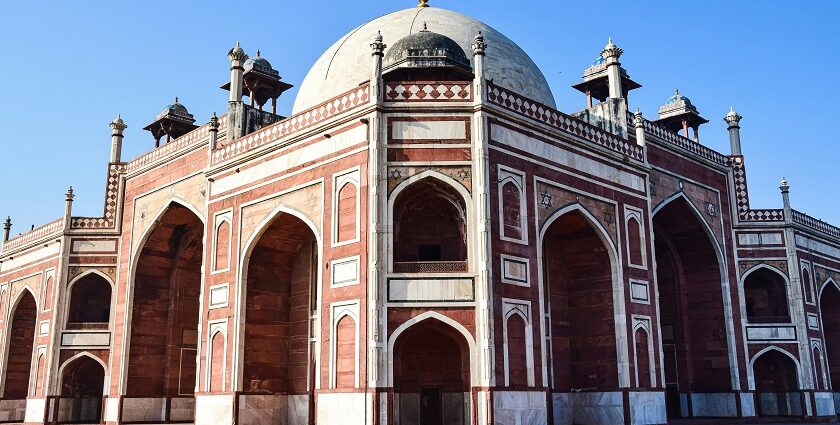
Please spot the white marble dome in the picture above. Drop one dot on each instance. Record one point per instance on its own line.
(347, 63)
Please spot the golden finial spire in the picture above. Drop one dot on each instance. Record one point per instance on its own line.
(423, 3)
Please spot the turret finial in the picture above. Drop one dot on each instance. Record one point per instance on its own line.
(423, 3)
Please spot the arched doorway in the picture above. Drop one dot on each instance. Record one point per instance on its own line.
(280, 303)
(776, 384)
(578, 278)
(82, 389)
(165, 309)
(430, 231)
(765, 297)
(20, 342)
(90, 303)
(694, 338)
(431, 372)
(830, 314)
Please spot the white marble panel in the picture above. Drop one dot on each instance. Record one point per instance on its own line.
(747, 404)
(562, 156)
(771, 238)
(749, 239)
(639, 291)
(428, 130)
(836, 402)
(298, 410)
(562, 408)
(771, 333)
(30, 257)
(824, 403)
(94, 246)
(598, 408)
(816, 246)
(182, 409)
(813, 321)
(12, 410)
(85, 339)
(144, 409)
(341, 409)
(345, 272)
(515, 270)
(112, 409)
(35, 409)
(713, 405)
(402, 290)
(213, 409)
(519, 407)
(781, 404)
(337, 142)
(647, 408)
(263, 409)
(219, 295)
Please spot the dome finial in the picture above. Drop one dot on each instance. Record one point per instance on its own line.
(258, 52)
(176, 99)
(423, 3)
(425, 27)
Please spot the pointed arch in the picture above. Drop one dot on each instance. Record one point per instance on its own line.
(432, 315)
(751, 371)
(429, 212)
(680, 196)
(20, 348)
(616, 276)
(767, 294)
(242, 284)
(78, 356)
(178, 230)
(690, 263)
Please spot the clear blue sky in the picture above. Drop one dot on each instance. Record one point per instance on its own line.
(69, 67)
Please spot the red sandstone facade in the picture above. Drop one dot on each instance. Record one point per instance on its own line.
(421, 251)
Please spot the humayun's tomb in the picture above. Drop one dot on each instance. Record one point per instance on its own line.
(423, 240)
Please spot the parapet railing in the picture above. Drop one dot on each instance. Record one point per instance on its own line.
(814, 223)
(53, 227)
(308, 118)
(176, 145)
(685, 143)
(512, 101)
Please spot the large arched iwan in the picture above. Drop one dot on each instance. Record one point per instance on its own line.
(164, 319)
(694, 338)
(579, 298)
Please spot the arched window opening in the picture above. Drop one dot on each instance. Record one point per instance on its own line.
(222, 260)
(830, 315)
(164, 317)
(431, 375)
(280, 302)
(511, 211)
(40, 366)
(90, 303)
(806, 286)
(430, 233)
(692, 319)
(48, 294)
(20, 345)
(579, 292)
(517, 351)
(217, 362)
(776, 385)
(346, 211)
(634, 242)
(819, 382)
(765, 296)
(82, 388)
(345, 353)
(642, 358)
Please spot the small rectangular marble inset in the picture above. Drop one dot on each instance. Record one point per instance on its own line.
(430, 290)
(345, 272)
(515, 270)
(639, 292)
(771, 333)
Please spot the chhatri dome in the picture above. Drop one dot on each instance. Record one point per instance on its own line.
(347, 63)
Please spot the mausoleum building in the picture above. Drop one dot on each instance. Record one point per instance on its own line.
(424, 240)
